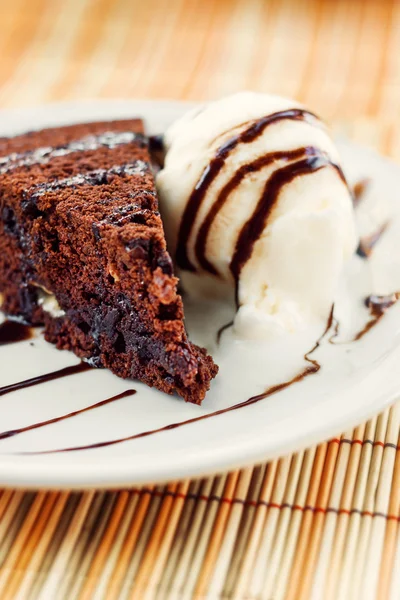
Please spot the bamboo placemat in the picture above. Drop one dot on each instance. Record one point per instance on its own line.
(321, 524)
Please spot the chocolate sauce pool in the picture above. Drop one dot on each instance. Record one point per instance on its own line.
(12, 332)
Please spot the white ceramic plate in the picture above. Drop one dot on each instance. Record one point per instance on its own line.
(357, 379)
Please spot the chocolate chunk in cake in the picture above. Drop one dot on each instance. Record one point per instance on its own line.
(82, 252)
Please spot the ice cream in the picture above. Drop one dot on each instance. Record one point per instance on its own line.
(255, 205)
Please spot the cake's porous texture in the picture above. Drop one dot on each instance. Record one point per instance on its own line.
(83, 252)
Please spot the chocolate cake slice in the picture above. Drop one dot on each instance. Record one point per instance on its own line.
(82, 252)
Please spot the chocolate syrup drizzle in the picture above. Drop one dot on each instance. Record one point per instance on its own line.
(254, 227)
(108, 139)
(95, 177)
(378, 305)
(12, 332)
(222, 329)
(21, 385)
(233, 183)
(359, 190)
(367, 243)
(14, 432)
(213, 169)
(312, 368)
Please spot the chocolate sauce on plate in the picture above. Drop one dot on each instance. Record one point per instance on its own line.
(368, 242)
(12, 332)
(222, 329)
(311, 369)
(377, 305)
(20, 385)
(14, 432)
(359, 190)
(335, 327)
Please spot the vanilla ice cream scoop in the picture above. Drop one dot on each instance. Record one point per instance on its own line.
(255, 204)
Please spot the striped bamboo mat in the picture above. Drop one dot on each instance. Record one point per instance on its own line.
(321, 524)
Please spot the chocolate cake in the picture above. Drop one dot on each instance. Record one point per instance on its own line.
(82, 252)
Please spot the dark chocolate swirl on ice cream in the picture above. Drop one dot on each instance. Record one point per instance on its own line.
(211, 172)
(306, 161)
(254, 227)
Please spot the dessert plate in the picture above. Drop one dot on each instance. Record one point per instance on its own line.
(81, 428)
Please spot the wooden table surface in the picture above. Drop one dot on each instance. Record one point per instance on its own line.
(341, 57)
(324, 523)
